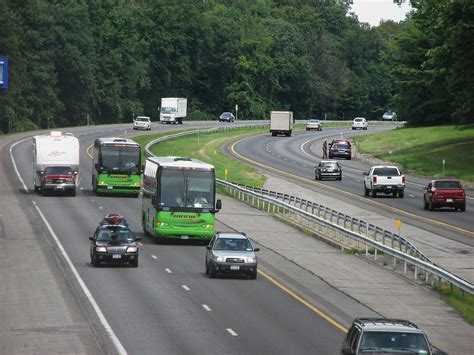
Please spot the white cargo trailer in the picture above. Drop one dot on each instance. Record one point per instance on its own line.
(51, 152)
(281, 122)
(173, 110)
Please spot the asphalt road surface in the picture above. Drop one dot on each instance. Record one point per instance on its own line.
(295, 157)
(167, 305)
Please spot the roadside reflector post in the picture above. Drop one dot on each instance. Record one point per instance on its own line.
(444, 163)
(226, 171)
(416, 272)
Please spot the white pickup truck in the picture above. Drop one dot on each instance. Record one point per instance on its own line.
(384, 179)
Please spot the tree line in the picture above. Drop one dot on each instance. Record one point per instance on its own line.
(104, 61)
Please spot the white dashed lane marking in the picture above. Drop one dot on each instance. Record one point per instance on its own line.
(206, 307)
(186, 288)
(168, 271)
(231, 332)
(154, 257)
(411, 195)
(101, 208)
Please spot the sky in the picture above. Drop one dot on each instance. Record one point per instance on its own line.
(372, 11)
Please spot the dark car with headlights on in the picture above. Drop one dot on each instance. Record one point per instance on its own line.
(231, 253)
(328, 169)
(113, 244)
(340, 150)
(226, 117)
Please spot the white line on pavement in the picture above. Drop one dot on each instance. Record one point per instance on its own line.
(186, 287)
(14, 163)
(168, 271)
(154, 257)
(206, 307)
(108, 329)
(411, 195)
(231, 332)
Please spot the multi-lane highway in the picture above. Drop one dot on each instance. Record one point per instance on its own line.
(167, 305)
(294, 158)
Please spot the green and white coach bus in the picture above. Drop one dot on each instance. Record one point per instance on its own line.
(179, 198)
(116, 166)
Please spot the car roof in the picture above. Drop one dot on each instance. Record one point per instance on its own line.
(231, 235)
(387, 324)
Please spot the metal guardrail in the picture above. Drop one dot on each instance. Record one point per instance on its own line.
(368, 234)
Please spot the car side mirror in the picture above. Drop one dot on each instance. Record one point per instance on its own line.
(208, 247)
(365, 173)
(347, 351)
(91, 238)
(75, 173)
(138, 238)
(256, 249)
(218, 204)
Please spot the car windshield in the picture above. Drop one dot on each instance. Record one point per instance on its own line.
(394, 342)
(329, 165)
(358, 120)
(237, 244)
(313, 121)
(341, 146)
(226, 114)
(168, 110)
(143, 119)
(448, 185)
(386, 172)
(58, 170)
(122, 235)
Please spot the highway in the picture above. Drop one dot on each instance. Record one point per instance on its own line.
(294, 158)
(167, 305)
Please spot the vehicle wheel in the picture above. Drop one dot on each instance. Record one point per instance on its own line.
(431, 206)
(395, 193)
(307, 129)
(374, 193)
(43, 191)
(425, 204)
(401, 194)
(462, 208)
(207, 269)
(273, 134)
(37, 188)
(349, 158)
(134, 263)
(366, 191)
(73, 192)
(253, 275)
(95, 261)
(339, 178)
(212, 273)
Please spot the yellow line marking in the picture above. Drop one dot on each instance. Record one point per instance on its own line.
(88, 150)
(394, 209)
(303, 301)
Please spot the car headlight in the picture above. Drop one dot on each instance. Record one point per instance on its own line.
(220, 259)
(250, 260)
(132, 249)
(208, 226)
(101, 249)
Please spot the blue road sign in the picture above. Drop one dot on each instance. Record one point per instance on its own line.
(3, 73)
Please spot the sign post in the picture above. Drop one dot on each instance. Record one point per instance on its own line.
(444, 162)
(236, 111)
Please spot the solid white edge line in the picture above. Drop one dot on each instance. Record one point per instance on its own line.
(118, 345)
(154, 257)
(206, 307)
(186, 287)
(168, 271)
(14, 163)
(231, 332)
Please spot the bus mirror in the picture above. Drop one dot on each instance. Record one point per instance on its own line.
(218, 205)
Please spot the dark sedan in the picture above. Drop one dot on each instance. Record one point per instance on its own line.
(328, 169)
(113, 244)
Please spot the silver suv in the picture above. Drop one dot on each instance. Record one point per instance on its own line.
(382, 335)
(231, 253)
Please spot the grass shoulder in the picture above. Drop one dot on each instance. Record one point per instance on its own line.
(422, 150)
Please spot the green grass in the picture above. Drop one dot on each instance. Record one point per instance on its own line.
(206, 147)
(464, 305)
(422, 150)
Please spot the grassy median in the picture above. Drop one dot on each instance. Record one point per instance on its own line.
(206, 147)
(422, 150)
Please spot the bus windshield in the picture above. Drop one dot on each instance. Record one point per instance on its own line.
(120, 159)
(187, 189)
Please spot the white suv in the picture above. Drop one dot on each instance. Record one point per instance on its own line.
(142, 122)
(359, 122)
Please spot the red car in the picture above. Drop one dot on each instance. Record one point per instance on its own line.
(444, 193)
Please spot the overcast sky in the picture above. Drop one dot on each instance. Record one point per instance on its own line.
(372, 11)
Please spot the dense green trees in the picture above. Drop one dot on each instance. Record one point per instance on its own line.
(111, 59)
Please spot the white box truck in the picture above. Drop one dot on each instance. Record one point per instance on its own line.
(55, 162)
(173, 110)
(281, 122)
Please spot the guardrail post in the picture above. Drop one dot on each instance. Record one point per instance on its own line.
(366, 250)
(416, 273)
(375, 254)
(394, 262)
(426, 276)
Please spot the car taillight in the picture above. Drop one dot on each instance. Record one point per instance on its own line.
(374, 179)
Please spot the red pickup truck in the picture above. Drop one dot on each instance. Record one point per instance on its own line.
(444, 193)
(58, 179)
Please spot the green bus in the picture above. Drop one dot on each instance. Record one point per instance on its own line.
(179, 198)
(116, 166)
